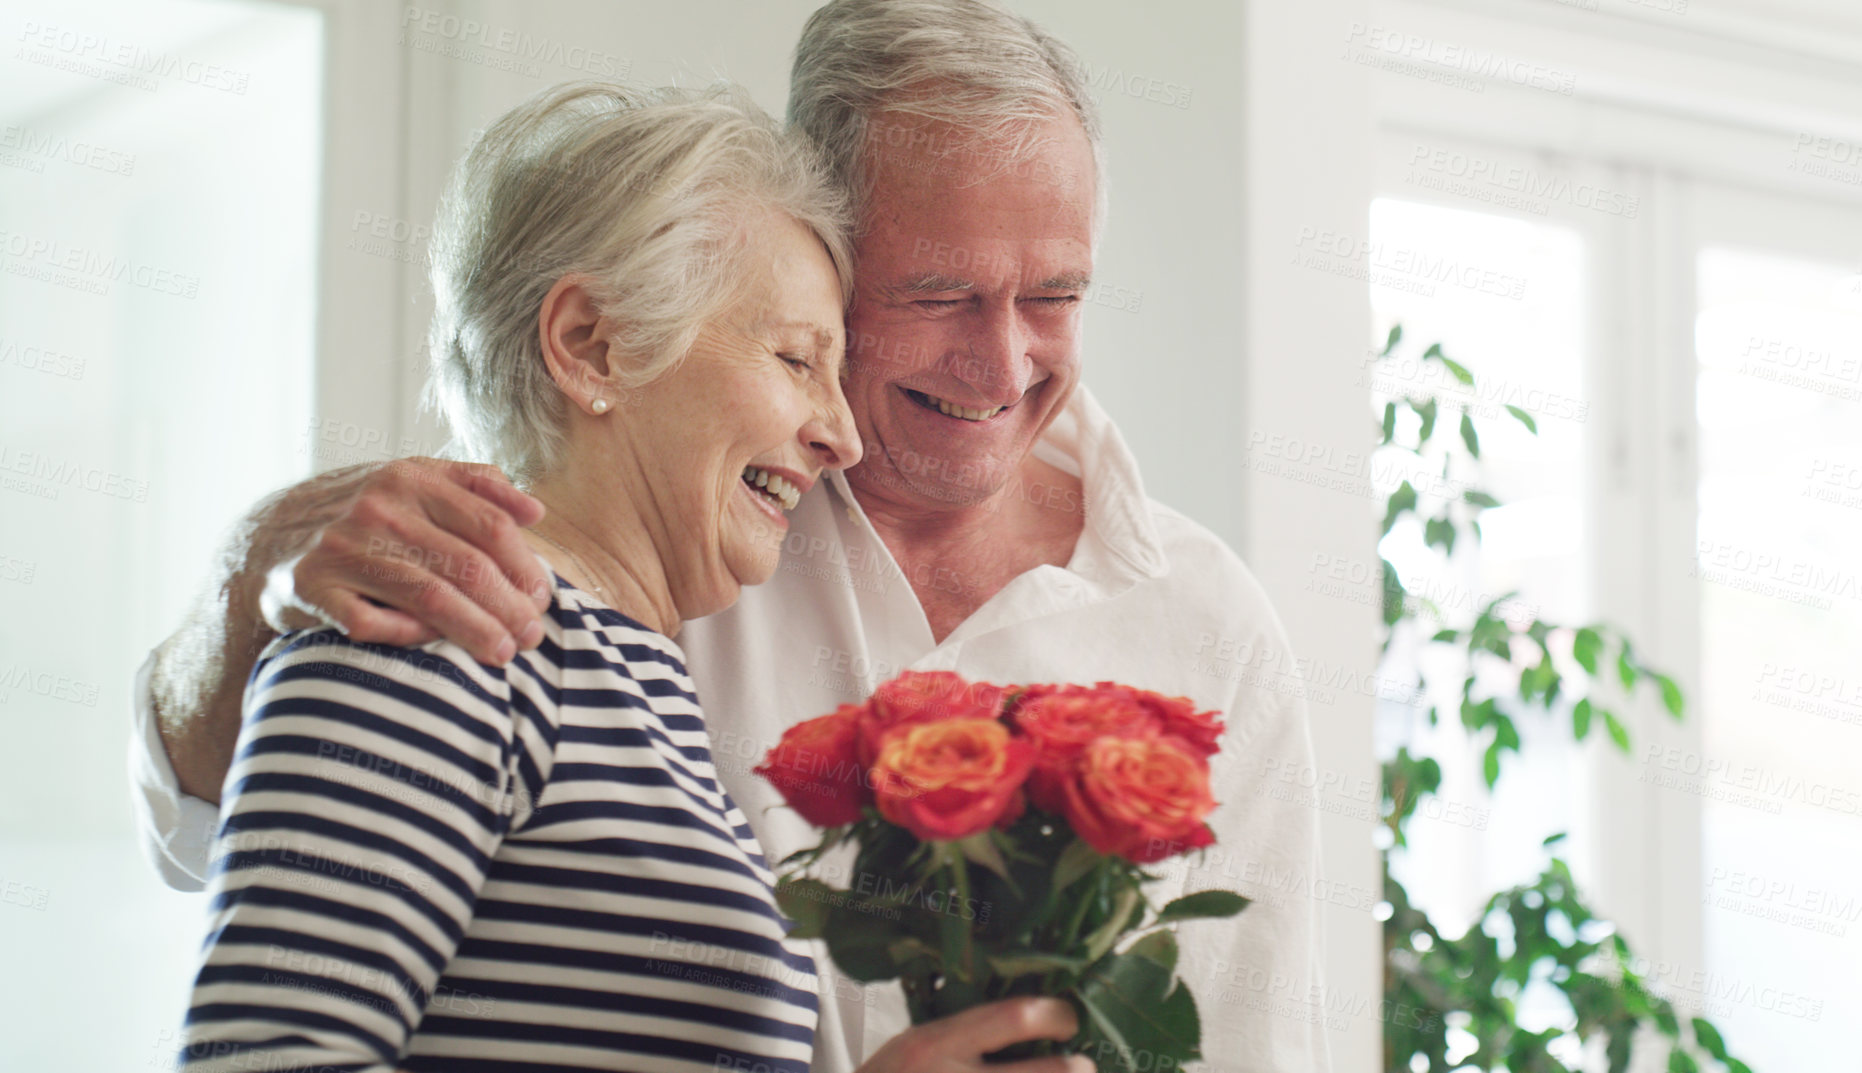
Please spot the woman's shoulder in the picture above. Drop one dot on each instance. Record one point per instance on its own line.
(439, 670)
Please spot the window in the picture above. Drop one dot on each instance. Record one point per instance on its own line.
(159, 166)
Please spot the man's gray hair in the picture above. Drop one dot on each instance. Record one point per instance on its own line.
(648, 192)
(969, 63)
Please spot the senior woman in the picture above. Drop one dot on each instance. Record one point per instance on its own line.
(426, 862)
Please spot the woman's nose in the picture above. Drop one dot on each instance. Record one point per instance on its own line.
(831, 433)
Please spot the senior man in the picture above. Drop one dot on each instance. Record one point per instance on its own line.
(997, 525)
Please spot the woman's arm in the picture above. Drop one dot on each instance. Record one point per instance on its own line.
(370, 788)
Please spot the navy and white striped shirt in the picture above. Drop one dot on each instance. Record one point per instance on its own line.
(425, 863)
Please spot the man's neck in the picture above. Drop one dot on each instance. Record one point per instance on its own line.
(957, 556)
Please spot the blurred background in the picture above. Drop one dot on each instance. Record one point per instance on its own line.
(1636, 222)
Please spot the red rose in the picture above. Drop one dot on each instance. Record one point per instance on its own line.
(1143, 798)
(950, 779)
(1062, 720)
(817, 768)
(923, 697)
(1178, 716)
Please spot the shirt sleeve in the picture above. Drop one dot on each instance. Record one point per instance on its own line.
(370, 789)
(1258, 978)
(176, 829)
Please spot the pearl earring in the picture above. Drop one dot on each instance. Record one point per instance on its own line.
(600, 406)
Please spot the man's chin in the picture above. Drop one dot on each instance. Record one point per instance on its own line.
(890, 483)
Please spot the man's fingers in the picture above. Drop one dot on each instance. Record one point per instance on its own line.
(362, 619)
(410, 577)
(490, 484)
(501, 573)
(985, 1029)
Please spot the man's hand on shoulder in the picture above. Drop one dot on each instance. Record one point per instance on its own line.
(406, 553)
(396, 553)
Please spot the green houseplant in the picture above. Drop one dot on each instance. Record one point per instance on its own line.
(1543, 933)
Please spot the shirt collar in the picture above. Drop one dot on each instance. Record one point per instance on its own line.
(1119, 545)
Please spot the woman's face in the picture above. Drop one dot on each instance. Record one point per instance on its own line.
(757, 401)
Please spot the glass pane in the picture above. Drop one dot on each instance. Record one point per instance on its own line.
(1779, 346)
(159, 169)
(1509, 307)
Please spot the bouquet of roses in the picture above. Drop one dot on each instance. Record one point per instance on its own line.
(999, 835)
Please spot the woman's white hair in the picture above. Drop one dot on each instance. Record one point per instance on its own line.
(650, 193)
(969, 63)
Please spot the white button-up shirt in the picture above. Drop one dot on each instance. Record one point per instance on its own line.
(1149, 599)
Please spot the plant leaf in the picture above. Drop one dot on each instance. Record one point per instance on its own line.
(1031, 962)
(1671, 699)
(1618, 732)
(1709, 1038)
(1396, 336)
(1205, 903)
(980, 849)
(1580, 719)
(1389, 421)
(1585, 646)
(1159, 946)
(1524, 418)
(1467, 433)
(806, 902)
(1075, 862)
(1144, 1013)
(1490, 765)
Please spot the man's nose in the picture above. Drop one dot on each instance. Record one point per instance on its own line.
(998, 367)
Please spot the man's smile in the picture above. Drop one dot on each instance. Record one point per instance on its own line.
(951, 409)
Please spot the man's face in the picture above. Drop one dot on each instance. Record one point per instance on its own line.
(963, 338)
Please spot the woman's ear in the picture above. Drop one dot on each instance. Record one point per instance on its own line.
(574, 334)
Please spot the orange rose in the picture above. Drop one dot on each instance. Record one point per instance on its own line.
(923, 697)
(1062, 720)
(951, 779)
(1140, 797)
(817, 768)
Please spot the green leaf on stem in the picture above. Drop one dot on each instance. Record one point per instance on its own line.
(1127, 910)
(1490, 765)
(1709, 1038)
(1389, 422)
(1524, 418)
(1135, 1006)
(1075, 862)
(1159, 946)
(1425, 409)
(1396, 336)
(1206, 903)
(1671, 697)
(1585, 645)
(1479, 498)
(980, 848)
(1029, 963)
(1404, 498)
(1580, 719)
(1442, 532)
(806, 902)
(1626, 668)
(1618, 732)
(1468, 436)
